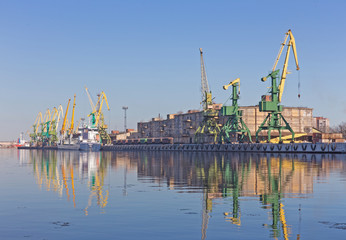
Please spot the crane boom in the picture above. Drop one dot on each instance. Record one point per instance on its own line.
(55, 114)
(292, 44)
(62, 131)
(204, 81)
(100, 103)
(47, 116)
(60, 113)
(225, 87)
(72, 119)
(37, 122)
(90, 99)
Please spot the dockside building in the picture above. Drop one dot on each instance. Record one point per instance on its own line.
(182, 126)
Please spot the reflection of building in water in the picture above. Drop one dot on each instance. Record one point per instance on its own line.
(235, 175)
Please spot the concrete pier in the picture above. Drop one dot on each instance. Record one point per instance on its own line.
(339, 148)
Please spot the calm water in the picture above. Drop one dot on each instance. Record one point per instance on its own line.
(167, 195)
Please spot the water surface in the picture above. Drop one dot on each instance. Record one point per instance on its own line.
(171, 195)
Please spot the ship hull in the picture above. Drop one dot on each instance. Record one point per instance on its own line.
(69, 147)
(94, 147)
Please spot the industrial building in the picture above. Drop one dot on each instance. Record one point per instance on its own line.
(321, 123)
(182, 126)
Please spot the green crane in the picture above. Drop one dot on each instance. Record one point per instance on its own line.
(209, 125)
(235, 123)
(271, 103)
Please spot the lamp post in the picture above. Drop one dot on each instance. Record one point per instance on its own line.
(125, 109)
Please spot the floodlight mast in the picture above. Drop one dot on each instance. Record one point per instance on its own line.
(125, 109)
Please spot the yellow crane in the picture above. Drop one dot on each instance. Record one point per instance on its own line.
(291, 43)
(63, 128)
(90, 99)
(99, 120)
(37, 123)
(98, 109)
(60, 114)
(70, 132)
(55, 114)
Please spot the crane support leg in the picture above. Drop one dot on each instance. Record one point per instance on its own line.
(273, 122)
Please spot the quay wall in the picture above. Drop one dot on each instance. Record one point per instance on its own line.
(241, 147)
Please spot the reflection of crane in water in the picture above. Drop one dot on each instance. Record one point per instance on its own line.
(46, 170)
(97, 175)
(231, 178)
(64, 169)
(206, 208)
(235, 217)
(55, 171)
(273, 197)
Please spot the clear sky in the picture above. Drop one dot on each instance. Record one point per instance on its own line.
(144, 55)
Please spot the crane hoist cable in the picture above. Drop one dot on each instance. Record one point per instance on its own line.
(298, 84)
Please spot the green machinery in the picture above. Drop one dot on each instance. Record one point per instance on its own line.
(271, 103)
(235, 123)
(209, 125)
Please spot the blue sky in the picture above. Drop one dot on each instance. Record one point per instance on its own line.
(144, 54)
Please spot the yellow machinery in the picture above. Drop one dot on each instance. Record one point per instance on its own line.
(100, 119)
(53, 136)
(70, 131)
(90, 99)
(34, 137)
(59, 115)
(98, 110)
(63, 128)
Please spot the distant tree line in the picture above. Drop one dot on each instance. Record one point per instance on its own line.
(341, 128)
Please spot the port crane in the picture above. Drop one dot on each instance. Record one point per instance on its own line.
(271, 103)
(38, 121)
(105, 138)
(51, 131)
(45, 125)
(234, 123)
(58, 112)
(63, 127)
(209, 125)
(70, 130)
(97, 117)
